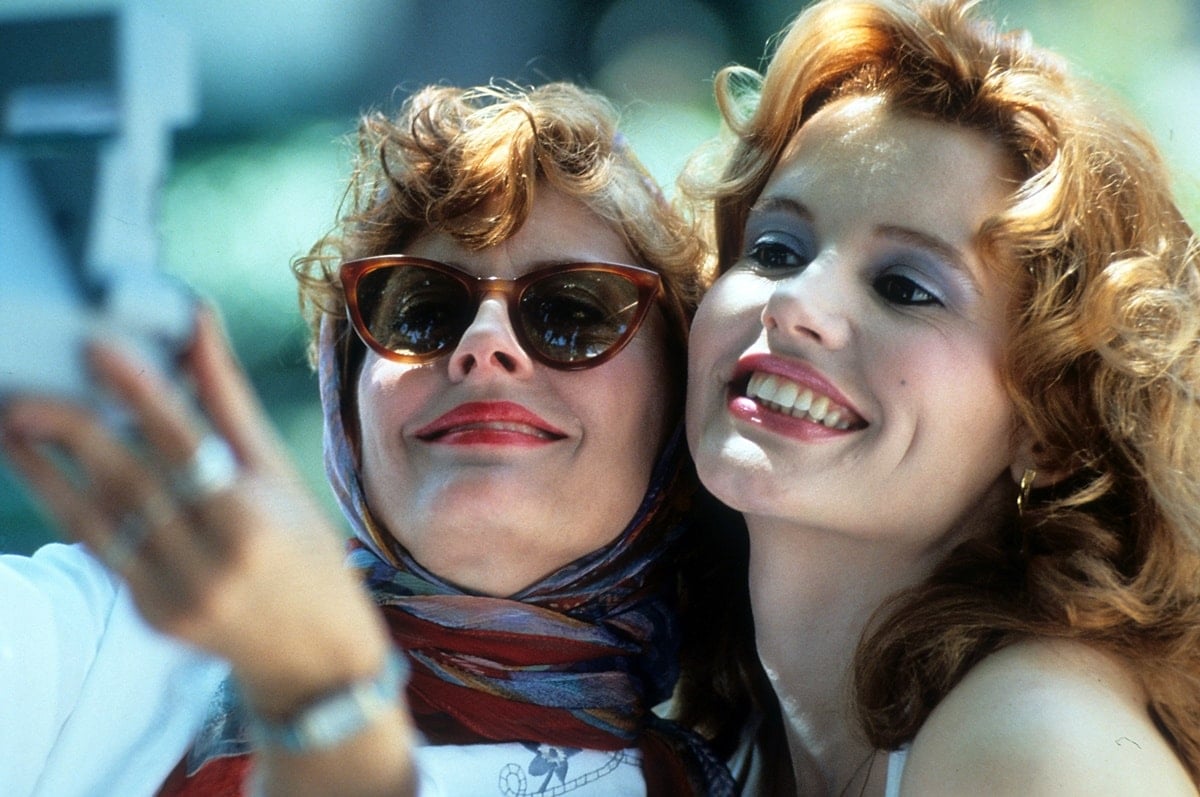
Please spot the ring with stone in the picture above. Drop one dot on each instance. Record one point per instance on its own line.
(212, 469)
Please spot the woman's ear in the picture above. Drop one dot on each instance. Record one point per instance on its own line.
(1029, 457)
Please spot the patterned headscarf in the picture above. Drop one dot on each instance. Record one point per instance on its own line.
(576, 659)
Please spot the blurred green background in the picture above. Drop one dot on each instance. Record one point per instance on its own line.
(258, 176)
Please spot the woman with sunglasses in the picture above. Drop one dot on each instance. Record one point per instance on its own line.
(499, 326)
(949, 374)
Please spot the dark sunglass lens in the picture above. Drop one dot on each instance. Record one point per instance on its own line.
(577, 315)
(413, 311)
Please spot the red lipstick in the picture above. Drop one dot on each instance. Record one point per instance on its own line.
(502, 423)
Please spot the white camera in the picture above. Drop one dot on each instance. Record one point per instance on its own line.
(44, 334)
(85, 139)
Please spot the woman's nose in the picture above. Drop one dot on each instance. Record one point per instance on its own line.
(813, 304)
(489, 345)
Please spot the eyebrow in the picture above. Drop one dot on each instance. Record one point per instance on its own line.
(776, 204)
(952, 255)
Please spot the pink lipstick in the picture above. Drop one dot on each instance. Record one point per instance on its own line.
(790, 398)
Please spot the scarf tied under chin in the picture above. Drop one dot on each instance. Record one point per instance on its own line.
(578, 659)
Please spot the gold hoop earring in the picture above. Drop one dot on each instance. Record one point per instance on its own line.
(1023, 490)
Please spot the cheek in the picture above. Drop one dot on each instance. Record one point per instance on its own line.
(714, 308)
(384, 391)
(642, 400)
(367, 406)
(736, 301)
(959, 390)
(716, 324)
(367, 447)
(727, 323)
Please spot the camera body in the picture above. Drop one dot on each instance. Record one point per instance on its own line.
(44, 335)
(89, 106)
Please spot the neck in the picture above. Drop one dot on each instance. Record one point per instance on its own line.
(814, 592)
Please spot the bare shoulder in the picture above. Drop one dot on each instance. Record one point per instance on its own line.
(1044, 717)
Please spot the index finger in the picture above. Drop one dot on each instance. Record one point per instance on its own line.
(227, 397)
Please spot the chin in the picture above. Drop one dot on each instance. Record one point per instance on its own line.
(732, 471)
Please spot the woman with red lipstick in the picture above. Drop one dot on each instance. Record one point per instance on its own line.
(499, 327)
(503, 394)
(949, 375)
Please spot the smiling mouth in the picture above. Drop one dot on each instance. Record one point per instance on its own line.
(490, 422)
(782, 395)
(491, 427)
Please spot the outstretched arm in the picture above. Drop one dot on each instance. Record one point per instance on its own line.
(239, 562)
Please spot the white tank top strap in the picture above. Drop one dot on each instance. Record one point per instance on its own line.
(895, 772)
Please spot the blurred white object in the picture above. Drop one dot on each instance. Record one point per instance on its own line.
(84, 149)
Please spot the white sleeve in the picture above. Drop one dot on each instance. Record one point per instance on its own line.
(95, 701)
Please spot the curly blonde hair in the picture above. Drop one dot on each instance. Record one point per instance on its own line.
(1102, 360)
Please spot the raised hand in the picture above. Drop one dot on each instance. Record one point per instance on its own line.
(199, 509)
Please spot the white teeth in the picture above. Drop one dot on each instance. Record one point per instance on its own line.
(784, 395)
(819, 408)
(768, 387)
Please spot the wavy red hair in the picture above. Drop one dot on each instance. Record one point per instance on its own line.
(1102, 360)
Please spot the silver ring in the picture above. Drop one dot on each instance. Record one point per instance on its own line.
(212, 469)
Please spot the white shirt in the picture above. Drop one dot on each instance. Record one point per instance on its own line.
(93, 701)
(514, 770)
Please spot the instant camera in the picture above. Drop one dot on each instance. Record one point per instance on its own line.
(88, 108)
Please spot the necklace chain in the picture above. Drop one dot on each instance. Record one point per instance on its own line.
(869, 763)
